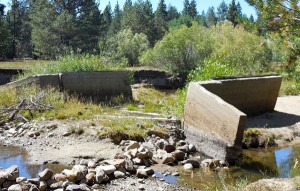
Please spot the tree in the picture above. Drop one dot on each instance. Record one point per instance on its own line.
(222, 11)
(234, 12)
(192, 10)
(211, 18)
(186, 6)
(160, 20)
(18, 20)
(106, 19)
(128, 45)
(5, 37)
(87, 27)
(115, 26)
(282, 18)
(172, 13)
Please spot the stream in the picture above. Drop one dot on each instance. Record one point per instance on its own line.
(254, 165)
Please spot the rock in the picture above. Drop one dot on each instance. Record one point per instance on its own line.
(92, 164)
(80, 171)
(20, 179)
(56, 185)
(129, 166)
(194, 162)
(66, 134)
(141, 187)
(211, 163)
(70, 175)
(168, 158)
(132, 145)
(133, 152)
(119, 174)
(144, 173)
(108, 169)
(178, 155)
(84, 162)
(45, 174)
(118, 163)
(75, 187)
(160, 154)
(192, 148)
(60, 177)
(12, 173)
(169, 148)
(188, 166)
(51, 126)
(181, 143)
(137, 161)
(143, 155)
(8, 183)
(90, 178)
(42, 186)
(149, 146)
(163, 135)
(33, 188)
(15, 187)
(184, 148)
(160, 144)
(175, 174)
(100, 175)
(35, 181)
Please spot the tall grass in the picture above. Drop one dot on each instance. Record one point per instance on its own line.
(75, 63)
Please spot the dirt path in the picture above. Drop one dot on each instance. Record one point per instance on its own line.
(283, 123)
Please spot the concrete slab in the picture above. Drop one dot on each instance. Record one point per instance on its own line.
(216, 112)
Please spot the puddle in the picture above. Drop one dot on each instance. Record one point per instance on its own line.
(10, 155)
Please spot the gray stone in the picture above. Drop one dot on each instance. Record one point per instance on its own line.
(35, 181)
(42, 186)
(21, 179)
(45, 174)
(80, 171)
(108, 169)
(75, 187)
(194, 162)
(12, 173)
(184, 148)
(100, 175)
(144, 173)
(192, 148)
(118, 163)
(188, 166)
(15, 187)
(132, 145)
(129, 166)
(119, 174)
(168, 158)
(56, 185)
(90, 178)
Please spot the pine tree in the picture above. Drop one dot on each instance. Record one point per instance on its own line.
(211, 18)
(172, 13)
(5, 37)
(222, 11)
(186, 7)
(115, 26)
(2, 7)
(202, 19)
(234, 12)
(192, 10)
(160, 20)
(46, 42)
(87, 27)
(251, 19)
(106, 19)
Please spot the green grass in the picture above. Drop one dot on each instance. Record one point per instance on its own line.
(23, 64)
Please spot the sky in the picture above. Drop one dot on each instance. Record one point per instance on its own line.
(201, 4)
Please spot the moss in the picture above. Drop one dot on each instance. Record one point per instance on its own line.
(251, 138)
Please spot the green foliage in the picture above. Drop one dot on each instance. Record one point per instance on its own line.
(181, 50)
(5, 38)
(74, 63)
(126, 45)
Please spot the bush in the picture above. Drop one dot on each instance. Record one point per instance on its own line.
(126, 45)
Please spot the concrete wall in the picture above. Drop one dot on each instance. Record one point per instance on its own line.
(7, 74)
(251, 95)
(215, 112)
(98, 85)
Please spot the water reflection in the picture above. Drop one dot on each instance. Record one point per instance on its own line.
(10, 155)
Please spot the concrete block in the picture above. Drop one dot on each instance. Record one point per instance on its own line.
(211, 124)
(252, 95)
(215, 112)
(99, 85)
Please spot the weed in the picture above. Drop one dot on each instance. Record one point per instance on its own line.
(76, 130)
(250, 138)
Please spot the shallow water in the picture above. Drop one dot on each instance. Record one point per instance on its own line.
(10, 155)
(255, 164)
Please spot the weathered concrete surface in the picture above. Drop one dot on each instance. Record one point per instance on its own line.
(214, 126)
(99, 85)
(42, 81)
(7, 74)
(251, 95)
(215, 112)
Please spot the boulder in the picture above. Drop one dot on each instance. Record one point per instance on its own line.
(12, 173)
(108, 169)
(132, 145)
(45, 174)
(119, 174)
(168, 158)
(178, 155)
(15, 187)
(144, 173)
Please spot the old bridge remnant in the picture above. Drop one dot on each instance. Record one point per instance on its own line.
(216, 112)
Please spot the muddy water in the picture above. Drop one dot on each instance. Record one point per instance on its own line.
(255, 164)
(10, 155)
